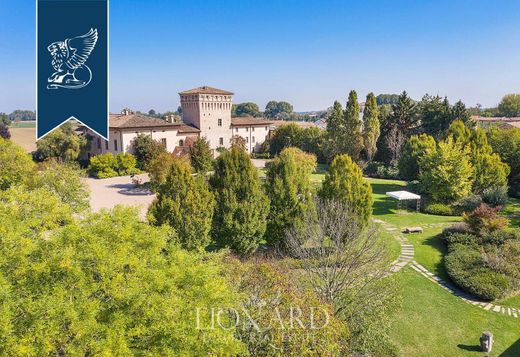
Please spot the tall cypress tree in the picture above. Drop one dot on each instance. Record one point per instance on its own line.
(335, 128)
(352, 135)
(240, 215)
(371, 126)
(289, 188)
(185, 203)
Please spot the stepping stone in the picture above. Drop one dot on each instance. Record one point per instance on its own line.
(488, 306)
(497, 308)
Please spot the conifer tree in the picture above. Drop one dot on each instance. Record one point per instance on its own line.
(290, 191)
(335, 129)
(345, 183)
(353, 127)
(185, 203)
(241, 205)
(201, 156)
(459, 132)
(371, 126)
(413, 151)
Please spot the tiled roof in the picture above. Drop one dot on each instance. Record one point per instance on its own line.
(136, 121)
(495, 119)
(244, 121)
(206, 90)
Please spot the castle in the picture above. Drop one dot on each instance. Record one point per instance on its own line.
(206, 112)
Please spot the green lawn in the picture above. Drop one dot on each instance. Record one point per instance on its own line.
(432, 322)
(512, 211)
(23, 124)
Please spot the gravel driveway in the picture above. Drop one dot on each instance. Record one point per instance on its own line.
(107, 193)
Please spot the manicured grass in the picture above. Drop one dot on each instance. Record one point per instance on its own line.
(432, 322)
(511, 302)
(393, 246)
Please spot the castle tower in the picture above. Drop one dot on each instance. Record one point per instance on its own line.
(209, 110)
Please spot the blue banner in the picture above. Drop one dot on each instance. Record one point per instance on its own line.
(72, 64)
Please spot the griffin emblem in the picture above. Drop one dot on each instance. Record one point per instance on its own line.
(68, 61)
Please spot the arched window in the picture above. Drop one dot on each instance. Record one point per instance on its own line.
(181, 142)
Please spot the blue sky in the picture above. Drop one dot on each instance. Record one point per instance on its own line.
(309, 53)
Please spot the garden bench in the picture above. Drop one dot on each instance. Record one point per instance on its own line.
(413, 230)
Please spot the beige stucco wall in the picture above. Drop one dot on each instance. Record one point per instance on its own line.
(255, 135)
(211, 114)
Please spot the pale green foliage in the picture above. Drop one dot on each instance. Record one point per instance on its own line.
(506, 143)
(290, 191)
(201, 156)
(108, 285)
(490, 171)
(158, 168)
(108, 165)
(145, 149)
(345, 182)
(16, 166)
(241, 205)
(371, 126)
(446, 172)
(66, 181)
(413, 151)
(186, 204)
(459, 132)
(62, 143)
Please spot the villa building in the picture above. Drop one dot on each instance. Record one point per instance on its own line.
(206, 112)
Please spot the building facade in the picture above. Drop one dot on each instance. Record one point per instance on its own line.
(206, 112)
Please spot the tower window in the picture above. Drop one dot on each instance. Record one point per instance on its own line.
(247, 129)
(253, 129)
(220, 122)
(253, 139)
(106, 144)
(221, 141)
(247, 139)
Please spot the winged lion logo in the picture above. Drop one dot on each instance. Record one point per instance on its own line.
(68, 61)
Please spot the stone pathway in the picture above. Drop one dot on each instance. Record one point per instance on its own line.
(407, 258)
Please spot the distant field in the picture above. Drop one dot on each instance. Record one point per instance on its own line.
(25, 137)
(23, 124)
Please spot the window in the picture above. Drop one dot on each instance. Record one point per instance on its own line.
(181, 142)
(247, 139)
(106, 144)
(220, 122)
(236, 130)
(163, 142)
(253, 139)
(265, 128)
(98, 143)
(221, 141)
(253, 129)
(115, 145)
(247, 129)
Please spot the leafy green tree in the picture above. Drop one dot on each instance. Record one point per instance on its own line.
(460, 112)
(4, 119)
(353, 135)
(435, 115)
(290, 191)
(245, 110)
(383, 99)
(103, 166)
(66, 181)
(4, 131)
(16, 166)
(145, 149)
(275, 109)
(413, 151)
(63, 144)
(185, 203)
(241, 208)
(108, 285)
(285, 136)
(446, 173)
(506, 143)
(510, 105)
(490, 171)
(201, 156)
(335, 129)
(345, 182)
(371, 127)
(158, 169)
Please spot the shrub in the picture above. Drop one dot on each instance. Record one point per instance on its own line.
(158, 169)
(467, 204)
(103, 166)
(107, 165)
(459, 227)
(413, 151)
(484, 220)
(4, 131)
(439, 209)
(495, 196)
(381, 170)
(126, 164)
(462, 238)
(465, 266)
